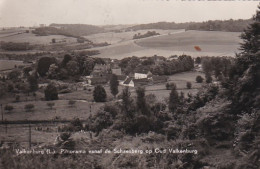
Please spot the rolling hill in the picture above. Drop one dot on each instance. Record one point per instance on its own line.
(212, 43)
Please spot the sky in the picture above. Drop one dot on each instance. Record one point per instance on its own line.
(113, 12)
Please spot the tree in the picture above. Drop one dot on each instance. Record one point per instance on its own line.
(72, 68)
(99, 94)
(53, 71)
(188, 85)
(114, 85)
(127, 102)
(65, 60)
(199, 79)
(33, 83)
(173, 100)
(251, 35)
(141, 102)
(208, 78)
(198, 60)
(53, 40)
(51, 92)
(44, 64)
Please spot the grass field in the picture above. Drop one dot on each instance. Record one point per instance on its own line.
(33, 39)
(112, 37)
(9, 64)
(180, 79)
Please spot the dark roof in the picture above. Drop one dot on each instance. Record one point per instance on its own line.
(128, 80)
(143, 71)
(141, 80)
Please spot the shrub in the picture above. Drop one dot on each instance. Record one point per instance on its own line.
(170, 86)
(199, 79)
(9, 108)
(50, 104)
(112, 109)
(51, 92)
(29, 107)
(188, 85)
(75, 125)
(17, 98)
(100, 121)
(72, 103)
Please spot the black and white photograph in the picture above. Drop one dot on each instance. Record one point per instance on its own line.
(129, 84)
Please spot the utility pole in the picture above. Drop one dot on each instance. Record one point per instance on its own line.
(30, 137)
(2, 112)
(5, 126)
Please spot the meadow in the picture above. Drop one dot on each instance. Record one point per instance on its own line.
(10, 64)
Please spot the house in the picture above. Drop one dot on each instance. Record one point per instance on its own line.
(128, 82)
(131, 82)
(142, 74)
(116, 71)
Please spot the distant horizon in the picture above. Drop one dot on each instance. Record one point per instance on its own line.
(122, 24)
(29, 13)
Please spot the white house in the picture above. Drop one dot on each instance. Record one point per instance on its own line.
(142, 75)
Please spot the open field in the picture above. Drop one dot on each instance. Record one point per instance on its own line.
(112, 37)
(212, 43)
(10, 64)
(33, 39)
(180, 79)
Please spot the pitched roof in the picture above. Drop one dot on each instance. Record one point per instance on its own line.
(128, 80)
(142, 71)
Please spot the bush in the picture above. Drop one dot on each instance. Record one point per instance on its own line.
(51, 92)
(72, 103)
(75, 125)
(170, 86)
(112, 109)
(188, 85)
(9, 108)
(29, 107)
(199, 79)
(50, 104)
(100, 121)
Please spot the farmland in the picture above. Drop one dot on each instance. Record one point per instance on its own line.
(212, 44)
(10, 64)
(15, 36)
